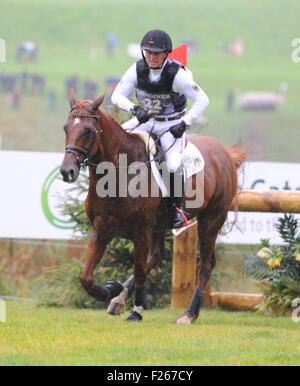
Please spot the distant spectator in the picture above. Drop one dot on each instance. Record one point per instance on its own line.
(52, 99)
(24, 81)
(27, 52)
(112, 42)
(112, 82)
(191, 44)
(15, 100)
(224, 49)
(10, 81)
(38, 84)
(229, 100)
(72, 81)
(2, 81)
(90, 89)
(237, 48)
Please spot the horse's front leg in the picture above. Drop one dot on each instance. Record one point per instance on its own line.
(96, 248)
(142, 245)
(156, 254)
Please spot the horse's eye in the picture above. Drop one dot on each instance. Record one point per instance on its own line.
(87, 131)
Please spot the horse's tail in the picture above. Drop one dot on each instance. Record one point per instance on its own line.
(239, 157)
(237, 154)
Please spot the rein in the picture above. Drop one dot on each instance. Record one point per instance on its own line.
(86, 153)
(158, 137)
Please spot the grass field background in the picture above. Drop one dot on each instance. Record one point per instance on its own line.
(49, 336)
(67, 32)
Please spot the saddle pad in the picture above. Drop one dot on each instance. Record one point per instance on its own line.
(192, 160)
(192, 163)
(149, 142)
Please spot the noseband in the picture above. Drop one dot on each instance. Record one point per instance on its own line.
(86, 153)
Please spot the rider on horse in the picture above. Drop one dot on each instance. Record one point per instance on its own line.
(162, 87)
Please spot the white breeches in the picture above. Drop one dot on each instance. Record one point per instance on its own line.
(172, 147)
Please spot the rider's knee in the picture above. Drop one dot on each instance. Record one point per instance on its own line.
(173, 164)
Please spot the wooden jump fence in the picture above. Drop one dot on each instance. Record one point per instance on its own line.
(186, 242)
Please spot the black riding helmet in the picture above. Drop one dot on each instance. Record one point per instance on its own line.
(156, 41)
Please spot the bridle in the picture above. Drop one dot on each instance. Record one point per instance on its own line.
(86, 153)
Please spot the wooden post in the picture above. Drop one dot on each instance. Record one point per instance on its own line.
(184, 267)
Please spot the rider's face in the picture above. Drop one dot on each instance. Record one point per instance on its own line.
(155, 59)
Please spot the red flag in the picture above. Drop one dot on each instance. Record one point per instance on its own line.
(180, 54)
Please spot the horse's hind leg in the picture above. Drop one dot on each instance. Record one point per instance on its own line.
(207, 263)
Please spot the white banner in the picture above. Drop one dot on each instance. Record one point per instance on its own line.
(29, 192)
(252, 227)
(31, 185)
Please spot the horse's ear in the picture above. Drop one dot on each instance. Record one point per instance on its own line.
(72, 97)
(98, 102)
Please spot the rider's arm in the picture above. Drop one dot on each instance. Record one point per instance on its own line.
(124, 89)
(184, 84)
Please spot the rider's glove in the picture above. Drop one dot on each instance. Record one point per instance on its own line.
(178, 130)
(141, 114)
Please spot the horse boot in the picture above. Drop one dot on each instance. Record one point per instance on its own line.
(140, 305)
(104, 293)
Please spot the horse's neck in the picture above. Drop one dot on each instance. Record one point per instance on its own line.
(114, 139)
(115, 144)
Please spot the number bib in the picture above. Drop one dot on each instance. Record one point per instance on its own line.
(157, 103)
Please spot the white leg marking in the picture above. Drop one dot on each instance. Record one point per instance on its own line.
(138, 309)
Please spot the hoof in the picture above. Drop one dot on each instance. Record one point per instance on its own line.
(115, 308)
(117, 304)
(185, 319)
(134, 317)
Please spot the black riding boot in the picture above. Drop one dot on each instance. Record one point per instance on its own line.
(178, 215)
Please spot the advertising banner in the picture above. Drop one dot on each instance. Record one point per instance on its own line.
(29, 196)
(251, 227)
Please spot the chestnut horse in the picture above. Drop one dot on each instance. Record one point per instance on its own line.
(93, 137)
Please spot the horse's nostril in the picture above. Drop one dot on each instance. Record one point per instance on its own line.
(68, 175)
(63, 172)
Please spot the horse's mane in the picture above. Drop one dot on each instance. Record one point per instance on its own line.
(108, 117)
(143, 138)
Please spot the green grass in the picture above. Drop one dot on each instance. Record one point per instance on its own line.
(67, 31)
(50, 336)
